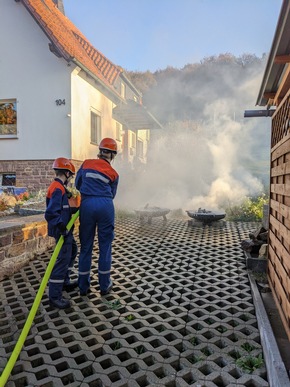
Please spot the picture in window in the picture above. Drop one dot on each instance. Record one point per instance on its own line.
(8, 117)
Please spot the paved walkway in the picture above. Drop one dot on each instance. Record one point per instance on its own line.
(181, 314)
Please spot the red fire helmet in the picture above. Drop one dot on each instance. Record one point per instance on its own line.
(108, 144)
(65, 164)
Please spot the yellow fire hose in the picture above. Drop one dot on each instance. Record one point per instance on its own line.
(17, 349)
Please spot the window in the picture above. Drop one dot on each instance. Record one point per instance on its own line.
(8, 179)
(133, 140)
(140, 149)
(8, 117)
(118, 131)
(96, 129)
(123, 90)
(148, 135)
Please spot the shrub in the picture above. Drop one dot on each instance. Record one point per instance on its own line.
(3, 203)
(251, 209)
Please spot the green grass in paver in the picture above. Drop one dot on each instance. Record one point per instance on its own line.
(130, 317)
(248, 347)
(206, 351)
(195, 359)
(140, 349)
(235, 355)
(250, 363)
(114, 304)
(245, 317)
(117, 346)
(194, 341)
(221, 329)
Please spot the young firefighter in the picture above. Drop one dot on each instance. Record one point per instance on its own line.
(97, 182)
(57, 215)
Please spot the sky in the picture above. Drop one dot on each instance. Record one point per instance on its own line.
(141, 35)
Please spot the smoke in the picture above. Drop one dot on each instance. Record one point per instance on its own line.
(207, 162)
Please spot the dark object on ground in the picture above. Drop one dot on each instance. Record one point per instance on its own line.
(257, 238)
(151, 212)
(251, 246)
(206, 216)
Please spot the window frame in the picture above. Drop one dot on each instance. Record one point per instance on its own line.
(5, 176)
(140, 148)
(14, 102)
(133, 139)
(95, 132)
(119, 129)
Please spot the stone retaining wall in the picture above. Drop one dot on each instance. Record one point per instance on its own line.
(20, 240)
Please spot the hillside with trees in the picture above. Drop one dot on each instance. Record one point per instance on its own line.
(181, 94)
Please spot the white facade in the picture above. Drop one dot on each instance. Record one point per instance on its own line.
(87, 99)
(55, 99)
(37, 78)
(34, 76)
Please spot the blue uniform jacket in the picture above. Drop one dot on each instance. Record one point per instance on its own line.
(58, 211)
(96, 177)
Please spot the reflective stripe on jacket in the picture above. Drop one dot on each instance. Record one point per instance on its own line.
(96, 177)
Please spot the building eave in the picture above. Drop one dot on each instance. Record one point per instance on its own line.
(280, 47)
(134, 116)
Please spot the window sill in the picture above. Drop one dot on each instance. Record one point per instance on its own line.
(9, 136)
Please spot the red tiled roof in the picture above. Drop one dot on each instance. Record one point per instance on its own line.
(70, 42)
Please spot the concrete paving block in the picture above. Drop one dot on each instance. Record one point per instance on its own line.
(181, 285)
(22, 379)
(97, 380)
(253, 380)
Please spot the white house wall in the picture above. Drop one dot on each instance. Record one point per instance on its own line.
(86, 98)
(34, 76)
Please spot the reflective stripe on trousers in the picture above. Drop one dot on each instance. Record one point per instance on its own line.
(62, 268)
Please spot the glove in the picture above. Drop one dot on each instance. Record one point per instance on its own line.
(68, 193)
(62, 229)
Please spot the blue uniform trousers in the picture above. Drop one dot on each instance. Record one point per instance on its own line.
(96, 212)
(64, 264)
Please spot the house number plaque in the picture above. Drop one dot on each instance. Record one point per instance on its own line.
(60, 102)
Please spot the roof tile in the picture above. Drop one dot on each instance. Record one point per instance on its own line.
(70, 42)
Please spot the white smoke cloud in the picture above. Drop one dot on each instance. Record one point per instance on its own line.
(199, 164)
(191, 169)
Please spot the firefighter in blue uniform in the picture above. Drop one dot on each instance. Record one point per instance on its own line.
(97, 182)
(57, 215)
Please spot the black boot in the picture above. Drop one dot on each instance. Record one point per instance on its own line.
(60, 304)
(70, 286)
